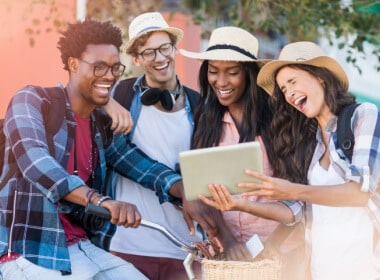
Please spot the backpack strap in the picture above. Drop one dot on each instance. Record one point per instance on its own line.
(124, 92)
(345, 136)
(55, 114)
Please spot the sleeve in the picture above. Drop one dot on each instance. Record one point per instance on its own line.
(366, 154)
(131, 162)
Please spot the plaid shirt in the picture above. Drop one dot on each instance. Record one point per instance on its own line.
(29, 222)
(365, 124)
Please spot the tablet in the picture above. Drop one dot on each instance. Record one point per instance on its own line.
(220, 165)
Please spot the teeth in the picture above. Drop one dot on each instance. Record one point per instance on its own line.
(162, 66)
(104, 86)
(223, 92)
(299, 100)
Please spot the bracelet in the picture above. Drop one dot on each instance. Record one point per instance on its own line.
(102, 199)
(93, 198)
(89, 194)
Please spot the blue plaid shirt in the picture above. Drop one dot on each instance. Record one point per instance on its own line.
(29, 222)
(365, 124)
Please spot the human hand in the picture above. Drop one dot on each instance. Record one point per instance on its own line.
(123, 213)
(196, 210)
(270, 187)
(122, 121)
(236, 251)
(221, 198)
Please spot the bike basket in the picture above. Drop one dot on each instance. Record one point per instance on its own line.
(258, 269)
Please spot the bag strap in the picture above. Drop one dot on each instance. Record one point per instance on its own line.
(55, 115)
(345, 136)
(53, 118)
(124, 92)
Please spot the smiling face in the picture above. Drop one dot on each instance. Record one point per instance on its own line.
(160, 72)
(303, 91)
(90, 90)
(228, 81)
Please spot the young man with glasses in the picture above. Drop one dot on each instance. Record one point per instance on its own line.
(163, 118)
(43, 232)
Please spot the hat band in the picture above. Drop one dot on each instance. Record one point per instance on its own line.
(231, 47)
(150, 28)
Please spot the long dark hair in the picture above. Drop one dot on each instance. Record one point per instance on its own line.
(209, 114)
(293, 134)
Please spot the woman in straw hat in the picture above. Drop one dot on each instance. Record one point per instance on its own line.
(233, 109)
(308, 91)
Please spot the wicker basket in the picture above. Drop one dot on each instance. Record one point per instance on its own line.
(259, 269)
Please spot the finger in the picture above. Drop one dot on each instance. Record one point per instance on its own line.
(115, 124)
(129, 125)
(189, 222)
(256, 174)
(215, 193)
(137, 219)
(208, 201)
(124, 124)
(130, 221)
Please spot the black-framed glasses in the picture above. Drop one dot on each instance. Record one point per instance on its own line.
(150, 54)
(101, 68)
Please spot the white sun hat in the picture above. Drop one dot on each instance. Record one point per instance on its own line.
(229, 43)
(149, 22)
(303, 52)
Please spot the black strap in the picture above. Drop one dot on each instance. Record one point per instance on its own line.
(345, 136)
(124, 92)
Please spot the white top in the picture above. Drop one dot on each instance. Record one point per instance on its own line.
(161, 135)
(341, 237)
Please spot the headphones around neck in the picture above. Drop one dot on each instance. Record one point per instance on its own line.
(151, 96)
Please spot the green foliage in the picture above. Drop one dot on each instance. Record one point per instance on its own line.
(351, 23)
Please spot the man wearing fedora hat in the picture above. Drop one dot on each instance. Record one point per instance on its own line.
(162, 110)
(308, 91)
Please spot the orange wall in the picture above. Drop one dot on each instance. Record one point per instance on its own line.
(187, 69)
(22, 64)
(41, 64)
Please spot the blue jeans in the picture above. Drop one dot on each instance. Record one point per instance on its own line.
(87, 262)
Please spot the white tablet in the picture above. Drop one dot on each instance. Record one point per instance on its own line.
(220, 165)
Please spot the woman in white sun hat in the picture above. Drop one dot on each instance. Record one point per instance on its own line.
(233, 109)
(308, 90)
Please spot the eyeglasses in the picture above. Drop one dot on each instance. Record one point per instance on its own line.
(150, 54)
(100, 69)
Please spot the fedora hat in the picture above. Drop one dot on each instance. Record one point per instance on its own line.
(306, 53)
(149, 22)
(229, 43)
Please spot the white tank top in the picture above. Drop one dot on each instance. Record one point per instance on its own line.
(341, 237)
(161, 135)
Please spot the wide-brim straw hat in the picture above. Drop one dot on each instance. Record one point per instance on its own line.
(149, 22)
(229, 43)
(307, 53)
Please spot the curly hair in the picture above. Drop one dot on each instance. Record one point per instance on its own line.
(77, 36)
(209, 114)
(293, 134)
